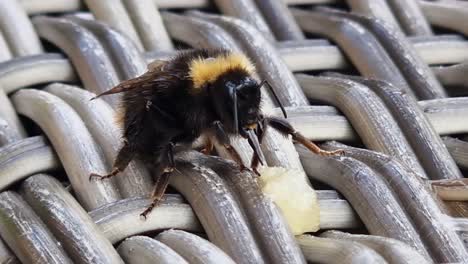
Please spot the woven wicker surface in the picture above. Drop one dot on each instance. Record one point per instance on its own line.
(384, 80)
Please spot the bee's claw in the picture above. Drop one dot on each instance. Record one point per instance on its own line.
(143, 215)
(256, 172)
(148, 210)
(338, 152)
(95, 176)
(341, 152)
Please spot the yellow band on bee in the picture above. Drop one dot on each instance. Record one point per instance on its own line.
(206, 70)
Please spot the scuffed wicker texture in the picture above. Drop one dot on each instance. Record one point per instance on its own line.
(387, 79)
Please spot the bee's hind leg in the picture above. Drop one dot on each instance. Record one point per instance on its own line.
(125, 155)
(285, 128)
(160, 186)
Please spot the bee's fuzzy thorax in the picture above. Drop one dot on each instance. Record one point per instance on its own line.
(206, 70)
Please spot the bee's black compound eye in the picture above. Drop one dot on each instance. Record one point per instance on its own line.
(248, 89)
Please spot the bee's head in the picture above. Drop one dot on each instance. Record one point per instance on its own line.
(236, 98)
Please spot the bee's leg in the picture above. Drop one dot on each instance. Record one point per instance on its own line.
(125, 155)
(283, 126)
(208, 149)
(254, 164)
(162, 181)
(159, 188)
(257, 156)
(260, 131)
(223, 138)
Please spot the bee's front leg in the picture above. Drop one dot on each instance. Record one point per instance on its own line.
(223, 139)
(253, 137)
(285, 128)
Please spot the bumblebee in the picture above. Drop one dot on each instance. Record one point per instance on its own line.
(210, 92)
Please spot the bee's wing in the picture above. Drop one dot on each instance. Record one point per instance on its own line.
(153, 69)
(156, 65)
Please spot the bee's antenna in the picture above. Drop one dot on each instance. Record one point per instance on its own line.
(233, 94)
(274, 95)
